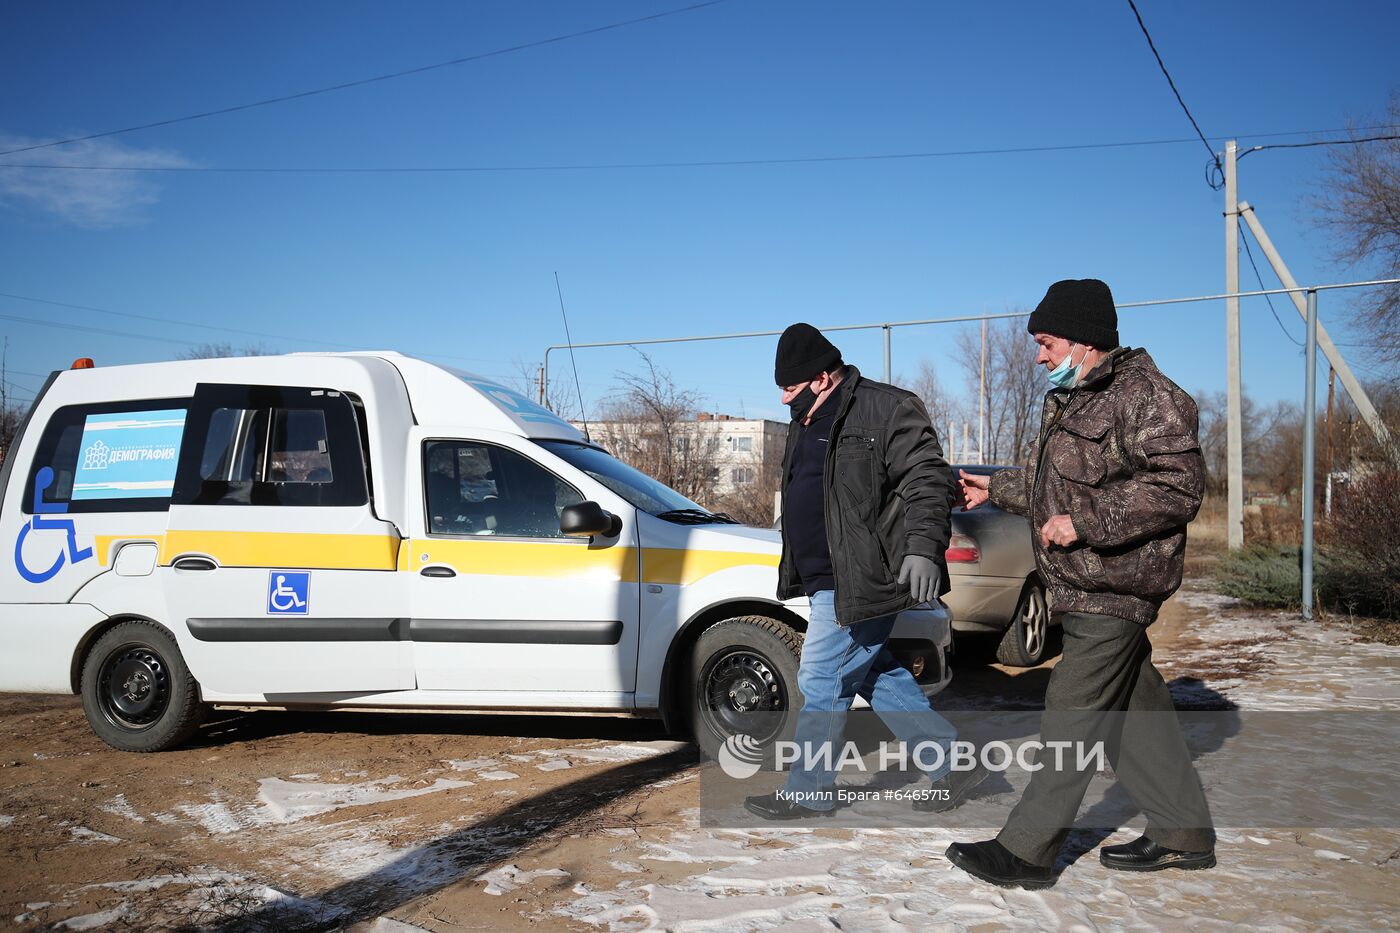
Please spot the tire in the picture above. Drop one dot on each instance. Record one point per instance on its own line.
(1026, 642)
(137, 692)
(742, 679)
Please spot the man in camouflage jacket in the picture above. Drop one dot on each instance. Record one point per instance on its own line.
(1116, 474)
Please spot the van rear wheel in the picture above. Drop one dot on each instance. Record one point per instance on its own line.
(137, 692)
(743, 681)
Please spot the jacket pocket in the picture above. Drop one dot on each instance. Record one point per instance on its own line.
(1079, 567)
(1080, 458)
(855, 474)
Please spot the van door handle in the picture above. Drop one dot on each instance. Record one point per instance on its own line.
(194, 563)
(438, 572)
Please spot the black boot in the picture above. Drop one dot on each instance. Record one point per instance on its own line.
(991, 862)
(951, 789)
(1142, 854)
(773, 807)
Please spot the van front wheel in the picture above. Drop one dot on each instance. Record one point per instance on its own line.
(743, 681)
(137, 692)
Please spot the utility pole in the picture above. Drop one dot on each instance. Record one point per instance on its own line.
(982, 399)
(1331, 381)
(1359, 398)
(1234, 433)
(541, 382)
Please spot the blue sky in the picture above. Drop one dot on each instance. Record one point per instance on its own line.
(460, 266)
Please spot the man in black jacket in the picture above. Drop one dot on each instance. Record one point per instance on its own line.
(866, 500)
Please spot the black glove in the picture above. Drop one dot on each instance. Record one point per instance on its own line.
(923, 577)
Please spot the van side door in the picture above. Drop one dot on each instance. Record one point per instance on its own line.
(504, 604)
(274, 559)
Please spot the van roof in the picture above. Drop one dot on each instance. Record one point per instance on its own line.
(438, 395)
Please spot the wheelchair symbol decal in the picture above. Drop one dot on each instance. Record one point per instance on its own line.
(288, 592)
(71, 553)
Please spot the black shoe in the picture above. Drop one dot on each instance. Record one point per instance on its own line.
(991, 862)
(951, 789)
(773, 807)
(1142, 854)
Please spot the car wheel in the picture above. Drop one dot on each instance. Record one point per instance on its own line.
(743, 681)
(137, 692)
(1027, 639)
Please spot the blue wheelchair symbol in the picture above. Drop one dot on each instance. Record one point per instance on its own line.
(288, 592)
(42, 481)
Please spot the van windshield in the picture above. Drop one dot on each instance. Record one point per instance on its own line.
(631, 484)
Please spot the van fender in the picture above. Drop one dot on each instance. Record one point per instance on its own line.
(671, 692)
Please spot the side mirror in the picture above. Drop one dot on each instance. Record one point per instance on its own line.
(586, 519)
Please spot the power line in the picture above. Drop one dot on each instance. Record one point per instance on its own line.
(591, 166)
(1187, 110)
(1269, 298)
(1320, 142)
(166, 320)
(363, 81)
(179, 323)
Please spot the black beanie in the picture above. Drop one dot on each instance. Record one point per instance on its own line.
(803, 354)
(1080, 310)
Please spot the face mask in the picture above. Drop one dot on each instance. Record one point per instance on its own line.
(802, 403)
(1065, 376)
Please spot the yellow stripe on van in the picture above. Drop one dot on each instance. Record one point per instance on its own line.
(486, 557)
(558, 559)
(104, 544)
(682, 566)
(526, 559)
(285, 549)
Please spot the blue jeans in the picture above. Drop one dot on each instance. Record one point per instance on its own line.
(838, 664)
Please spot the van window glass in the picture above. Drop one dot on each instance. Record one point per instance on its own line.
(109, 457)
(640, 490)
(267, 445)
(482, 489)
(300, 447)
(232, 445)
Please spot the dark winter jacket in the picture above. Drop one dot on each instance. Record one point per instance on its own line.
(1119, 454)
(888, 493)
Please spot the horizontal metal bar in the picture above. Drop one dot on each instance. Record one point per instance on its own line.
(976, 317)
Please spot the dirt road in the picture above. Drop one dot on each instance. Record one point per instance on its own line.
(438, 822)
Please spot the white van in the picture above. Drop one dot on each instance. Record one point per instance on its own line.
(368, 530)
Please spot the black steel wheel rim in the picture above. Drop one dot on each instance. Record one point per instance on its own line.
(741, 692)
(133, 687)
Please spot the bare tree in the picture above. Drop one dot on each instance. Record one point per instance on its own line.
(1014, 390)
(212, 351)
(561, 397)
(752, 503)
(1360, 204)
(650, 424)
(926, 385)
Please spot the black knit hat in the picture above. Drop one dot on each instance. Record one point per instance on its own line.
(1080, 310)
(803, 354)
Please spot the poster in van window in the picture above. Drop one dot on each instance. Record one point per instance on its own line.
(129, 455)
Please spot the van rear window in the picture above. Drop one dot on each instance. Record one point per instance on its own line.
(111, 457)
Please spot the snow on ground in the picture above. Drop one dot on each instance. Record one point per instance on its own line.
(882, 879)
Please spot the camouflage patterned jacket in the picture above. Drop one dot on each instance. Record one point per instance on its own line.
(1119, 454)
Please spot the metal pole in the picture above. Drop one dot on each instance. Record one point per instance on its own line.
(1358, 395)
(544, 378)
(1234, 432)
(887, 354)
(982, 400)
(1309, 453)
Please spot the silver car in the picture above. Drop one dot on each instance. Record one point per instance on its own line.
(995, 587)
